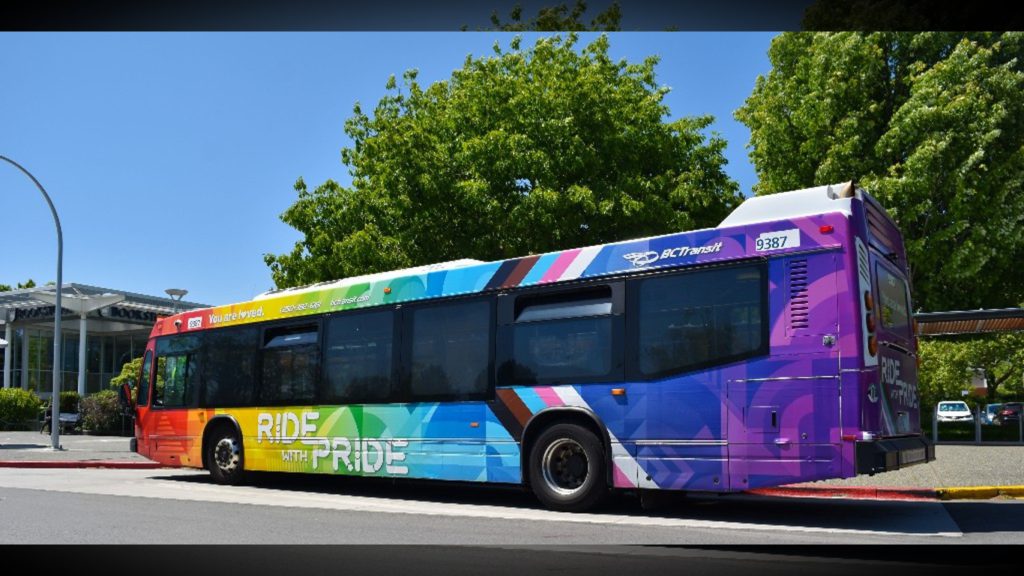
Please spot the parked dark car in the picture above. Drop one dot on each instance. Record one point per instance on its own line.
(1009, 413)
(989, 415)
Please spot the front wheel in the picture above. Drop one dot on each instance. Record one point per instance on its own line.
(224, 457)
(567, 468)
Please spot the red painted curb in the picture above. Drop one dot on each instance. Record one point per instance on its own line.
(861, 492)
(79, 464)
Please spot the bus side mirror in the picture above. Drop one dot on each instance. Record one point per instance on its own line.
(125, 396)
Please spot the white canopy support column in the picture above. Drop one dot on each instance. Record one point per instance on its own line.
(24, 359)
(82, 305)
(83, 359)
(8, 352)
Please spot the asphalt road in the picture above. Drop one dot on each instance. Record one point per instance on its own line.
(184, 506)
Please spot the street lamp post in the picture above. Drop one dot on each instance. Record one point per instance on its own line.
(57, 364)
(176, 294)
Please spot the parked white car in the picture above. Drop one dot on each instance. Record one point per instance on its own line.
(954, 411)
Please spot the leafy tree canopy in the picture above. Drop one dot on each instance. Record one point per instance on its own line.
(129, 373)
(931, 123)
(946, 366)
(21, 285)
(895, 15)
(526, 151)
(559, 18)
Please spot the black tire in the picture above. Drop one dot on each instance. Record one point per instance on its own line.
(225, 458)
(567, 468)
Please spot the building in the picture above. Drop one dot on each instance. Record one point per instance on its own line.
(116, 325)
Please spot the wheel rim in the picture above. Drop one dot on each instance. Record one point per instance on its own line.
(227, 455)
(565, 466)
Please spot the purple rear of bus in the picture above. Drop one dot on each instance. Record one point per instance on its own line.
(889, 404)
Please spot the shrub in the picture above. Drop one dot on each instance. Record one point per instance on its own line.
(101, 412)
(18, 407)
(69, 401)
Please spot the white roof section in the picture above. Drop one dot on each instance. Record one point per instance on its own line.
(27, 298)
(786, 205)
(345, 282)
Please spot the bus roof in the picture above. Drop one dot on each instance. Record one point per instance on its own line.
(785, 205)
(788, 214)
(330, 284)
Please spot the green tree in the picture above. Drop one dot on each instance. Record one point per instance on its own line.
(129, 373)
(931, 123)
(893, 15)
(946, 365)
(559, 18)
(529, 150)
(21, 285)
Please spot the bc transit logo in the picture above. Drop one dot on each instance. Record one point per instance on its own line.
(641, 259)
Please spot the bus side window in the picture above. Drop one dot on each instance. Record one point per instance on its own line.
(359, 357)
(450, 350)
(699, 319)
(290, 361)
(562, 337)
(229, 366)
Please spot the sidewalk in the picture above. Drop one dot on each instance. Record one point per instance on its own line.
(958, 471)
(32, 450)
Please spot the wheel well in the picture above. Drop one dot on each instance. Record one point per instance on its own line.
(212, 426)
(547, 419)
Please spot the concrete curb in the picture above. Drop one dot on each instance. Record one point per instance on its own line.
(979, 492)
(78, 464)
(887, 493)
(854, 492)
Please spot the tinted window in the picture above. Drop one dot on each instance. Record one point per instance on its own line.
(588, 302)
(177, 371)
(892, 294)
(450, 350)
(559, 338)
(229, 366)
(291, 365)
(358, 358)
(143, 387)
(700, 318)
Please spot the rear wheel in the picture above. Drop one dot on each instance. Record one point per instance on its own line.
(224, 456)
(567, 468)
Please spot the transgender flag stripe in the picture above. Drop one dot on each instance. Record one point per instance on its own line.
(585, 257)
(560, 264)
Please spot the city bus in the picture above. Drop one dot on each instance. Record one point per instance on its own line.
(777, 347)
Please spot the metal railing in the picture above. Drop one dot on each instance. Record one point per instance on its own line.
(978, 432)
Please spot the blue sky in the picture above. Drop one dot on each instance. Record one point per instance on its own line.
(171, 156)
